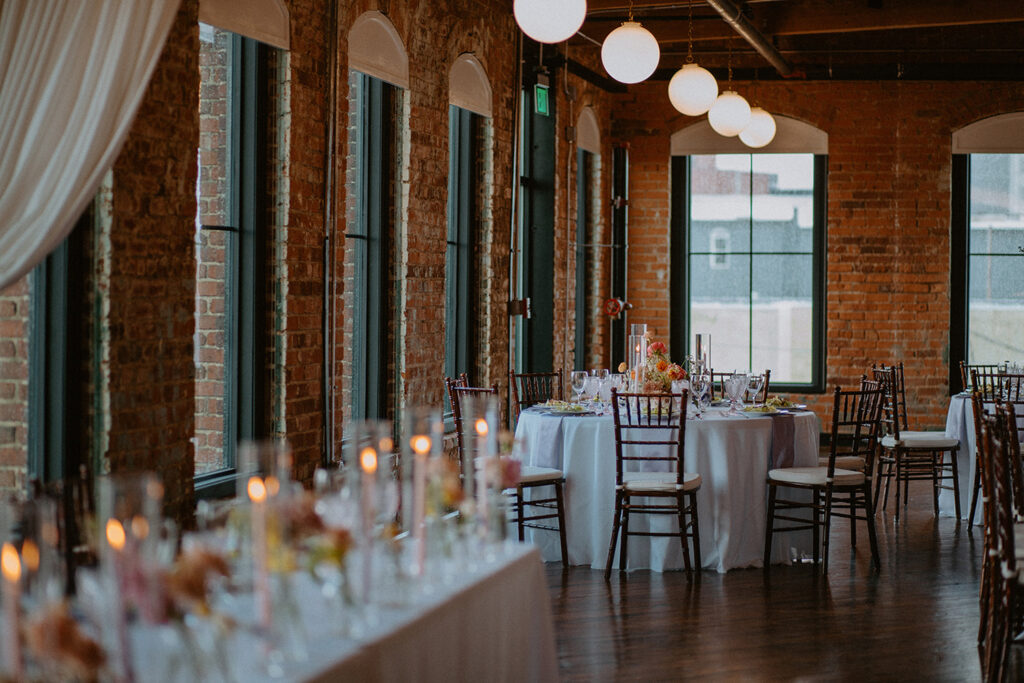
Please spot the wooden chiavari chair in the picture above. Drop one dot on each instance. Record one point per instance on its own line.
(912, 455)
(855, 413)
(990, 385)
(531, 388)
(651, 429)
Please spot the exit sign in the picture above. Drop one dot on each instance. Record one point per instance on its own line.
(540, 100)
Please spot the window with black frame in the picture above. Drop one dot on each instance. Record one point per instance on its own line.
(371, 286)
(460, 276)
(231, 229)
(754, 262)
(988, 268)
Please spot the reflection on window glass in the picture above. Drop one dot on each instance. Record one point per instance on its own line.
(753, 289)
(996, 267)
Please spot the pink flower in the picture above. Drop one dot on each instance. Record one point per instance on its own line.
(656, 347)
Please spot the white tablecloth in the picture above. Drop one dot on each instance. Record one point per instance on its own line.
(730, 453)
(960, 425)
(493, 624)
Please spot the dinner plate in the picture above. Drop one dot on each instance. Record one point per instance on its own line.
(555, 411)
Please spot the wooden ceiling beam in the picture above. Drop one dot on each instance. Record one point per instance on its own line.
(808, 17)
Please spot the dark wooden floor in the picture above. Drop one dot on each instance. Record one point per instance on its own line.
(916, 620)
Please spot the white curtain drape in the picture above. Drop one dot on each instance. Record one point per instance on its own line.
(72, 75)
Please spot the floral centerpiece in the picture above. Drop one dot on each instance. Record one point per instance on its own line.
(659, 370)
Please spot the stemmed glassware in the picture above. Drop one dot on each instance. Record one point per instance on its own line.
(592, 388)
(755, 382)
(579, 383)
(700, 382)
(735, 385)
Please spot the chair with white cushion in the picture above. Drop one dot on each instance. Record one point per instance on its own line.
(650, 432)
(912, 455)
(835, 492)
(532, 513)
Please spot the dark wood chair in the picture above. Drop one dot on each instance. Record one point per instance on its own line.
(966, 370)
(1002, 590)
(834, 491)
(990, 385)
(911, 455)
(531, 388)
(533, 513)
(649, 428)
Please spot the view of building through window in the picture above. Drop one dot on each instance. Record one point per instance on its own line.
(751, 261)
(996, 267)
(215, 244)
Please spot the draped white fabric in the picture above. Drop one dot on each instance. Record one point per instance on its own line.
(72, 75)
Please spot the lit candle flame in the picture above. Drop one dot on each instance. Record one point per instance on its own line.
(115, 534)
(368, 460)
(140, 526)
(481, 427)
(420, 444)
(30, 554)
(10, 563)
(257, 490)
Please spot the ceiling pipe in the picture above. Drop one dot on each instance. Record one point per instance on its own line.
(733, 16)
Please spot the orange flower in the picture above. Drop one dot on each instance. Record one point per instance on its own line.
(662, 365)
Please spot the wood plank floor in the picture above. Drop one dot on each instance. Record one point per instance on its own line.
(916, 620)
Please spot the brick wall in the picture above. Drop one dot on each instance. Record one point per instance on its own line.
(14, 311)
(888, 257)
(150, 284)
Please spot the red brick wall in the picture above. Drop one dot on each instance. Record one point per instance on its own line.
(888, 216)
(151, 285)
(14, 310)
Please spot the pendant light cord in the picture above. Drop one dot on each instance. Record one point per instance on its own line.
(689, 40)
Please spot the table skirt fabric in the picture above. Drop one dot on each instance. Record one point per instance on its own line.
(960, 425)
(732, 456)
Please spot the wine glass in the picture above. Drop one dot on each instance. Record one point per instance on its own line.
(754, 385)
(735, 385)
(699, 384)
(592, 388)
(579, 381)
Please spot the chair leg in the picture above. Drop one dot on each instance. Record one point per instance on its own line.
(899, 479)
(872, 536)
(828, 529)
(695, 521)
(681, 508)
(560, 502)
(624, 545)
(816, 530)
(615, 535)
(769, 528)
(889, 467)
(953, 457)
(974, 495)
(853, 525)
(520, 509)
(936, 465)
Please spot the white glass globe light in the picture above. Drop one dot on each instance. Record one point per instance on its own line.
(692, 90)
(761, 129)
(729, 114)
(630, 53)
(550, 21)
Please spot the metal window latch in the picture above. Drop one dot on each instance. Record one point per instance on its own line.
(517, 307)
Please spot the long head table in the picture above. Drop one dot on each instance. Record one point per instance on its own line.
(731, 453)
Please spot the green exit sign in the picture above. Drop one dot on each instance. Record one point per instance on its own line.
(540, 100)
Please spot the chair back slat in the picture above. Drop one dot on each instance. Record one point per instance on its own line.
(458, 393)
(998, 385)
(856, 415)
(996, 453)
(531, 388)
(967, 370)
(717, 385)
(649, 428)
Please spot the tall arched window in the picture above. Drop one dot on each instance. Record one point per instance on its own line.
(987, 243)
(378, 74)
(748, 250)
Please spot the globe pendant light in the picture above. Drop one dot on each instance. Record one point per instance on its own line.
(761, 129)
(692, 89)
(630, 53)
(550, 21)
(730, 114)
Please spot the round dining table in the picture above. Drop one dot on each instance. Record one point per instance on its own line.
(731, 452)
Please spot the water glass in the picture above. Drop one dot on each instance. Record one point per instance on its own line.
(754, 385)
(735, 385)
(579, 380)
